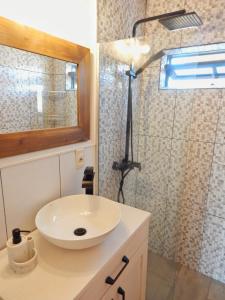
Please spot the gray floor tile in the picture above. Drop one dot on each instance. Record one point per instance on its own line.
(157, 288)
(216, 291)
(170, 281)
(163, 268)
(191, 285)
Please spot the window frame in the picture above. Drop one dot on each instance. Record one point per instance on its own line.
(168, 70)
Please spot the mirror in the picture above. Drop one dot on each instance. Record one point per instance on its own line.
(44, 90)
(36, 91)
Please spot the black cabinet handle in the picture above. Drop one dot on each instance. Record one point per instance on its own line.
(121, 292)
(111, 280)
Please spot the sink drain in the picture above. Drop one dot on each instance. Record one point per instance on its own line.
(80, 231)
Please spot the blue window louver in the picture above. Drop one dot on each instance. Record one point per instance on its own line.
(194, 67)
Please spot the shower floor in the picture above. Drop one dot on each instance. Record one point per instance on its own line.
(170, 281)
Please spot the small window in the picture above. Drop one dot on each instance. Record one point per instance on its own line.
(71, 77)
(194, 67)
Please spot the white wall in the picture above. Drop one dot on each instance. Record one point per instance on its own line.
(30, 180)
(74, 20)
(2, 221)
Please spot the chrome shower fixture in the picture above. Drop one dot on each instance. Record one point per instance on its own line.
(186, 20)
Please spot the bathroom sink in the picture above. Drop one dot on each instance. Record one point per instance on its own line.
(78, 221)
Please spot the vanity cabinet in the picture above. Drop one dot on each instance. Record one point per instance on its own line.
(132, 282)
(128, 268)
(81, 274)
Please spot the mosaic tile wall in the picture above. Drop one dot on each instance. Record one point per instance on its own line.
(180, 143)
(116, 18)
(26, 76)
(181, 139)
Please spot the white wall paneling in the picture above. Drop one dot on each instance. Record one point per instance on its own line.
(2, 220)
(27, 187)
(71, 177)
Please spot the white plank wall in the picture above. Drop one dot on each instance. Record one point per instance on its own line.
(2, 221)
(29, 185)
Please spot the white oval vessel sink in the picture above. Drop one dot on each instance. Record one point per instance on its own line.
(78, 221)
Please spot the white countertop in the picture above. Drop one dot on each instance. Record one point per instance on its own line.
(62, 274)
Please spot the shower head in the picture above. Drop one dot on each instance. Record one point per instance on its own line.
(181, 21)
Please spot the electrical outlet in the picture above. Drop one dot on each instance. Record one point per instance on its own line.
(79, 158)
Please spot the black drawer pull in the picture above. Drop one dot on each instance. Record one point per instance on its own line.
(111, 280)
(121, 292)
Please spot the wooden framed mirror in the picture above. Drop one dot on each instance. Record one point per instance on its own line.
(57, 129)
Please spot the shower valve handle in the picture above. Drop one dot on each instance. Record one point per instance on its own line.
(123, 166)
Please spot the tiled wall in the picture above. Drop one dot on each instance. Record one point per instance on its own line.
(27, 186)
(113, 92)
(116, 18)
(112, 95)
(22, 75)
(181, 145)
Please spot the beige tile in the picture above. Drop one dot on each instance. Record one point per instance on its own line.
(171, 294)
(183, 114)
(212, 15)
(191, 285)
(216, 291)
(192, 200)
(115, 18)
(157, 288)
(186, 284)
(163, 268)
(161, 112)
(205, 113)
(191, 234)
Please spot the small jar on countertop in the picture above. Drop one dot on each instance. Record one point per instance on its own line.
(22, 254)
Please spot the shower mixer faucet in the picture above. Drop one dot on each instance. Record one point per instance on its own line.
(124, 166)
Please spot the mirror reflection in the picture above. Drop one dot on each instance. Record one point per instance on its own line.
(36, 91)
